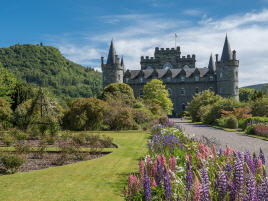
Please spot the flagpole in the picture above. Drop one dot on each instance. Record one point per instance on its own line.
(175, 41)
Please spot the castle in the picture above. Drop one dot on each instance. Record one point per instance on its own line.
(179, 73)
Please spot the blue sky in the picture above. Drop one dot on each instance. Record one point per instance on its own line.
(82, 29)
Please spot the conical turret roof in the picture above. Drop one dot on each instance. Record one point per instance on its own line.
(226, 52)
(111, 55)
(122, 61)
(211, 64)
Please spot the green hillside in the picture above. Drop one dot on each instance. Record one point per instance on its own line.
(46, 67)
(257, 86)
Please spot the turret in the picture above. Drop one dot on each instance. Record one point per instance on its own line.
(113, 70)
(211, 65)
(227, 72)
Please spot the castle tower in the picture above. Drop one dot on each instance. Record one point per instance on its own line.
(211, 65)
(113, 70)
(227, 72)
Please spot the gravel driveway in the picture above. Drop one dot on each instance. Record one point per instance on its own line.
(222, 138)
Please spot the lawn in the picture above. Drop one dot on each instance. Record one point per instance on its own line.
(98, 179)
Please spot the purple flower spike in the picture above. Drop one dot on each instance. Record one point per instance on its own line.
(167, 186)
(159, 174)
(251, 188)
(189, 179)
(222, 186)
(239, 176)
(146, 186)
(204, 185)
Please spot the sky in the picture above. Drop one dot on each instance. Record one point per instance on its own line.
(83, 29)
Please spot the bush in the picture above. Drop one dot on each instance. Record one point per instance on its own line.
(141, 115)
(163, 119)
(210, 113)
(259, 107)
(202, 99)
(7, 139)
(85, 114)
(124, 120)
(232, 122)
(261, 130)
(22, 148)
(250, 129)
(11, 162)
(80, 139)
(222, 122)
(107, 141)
(256, 120)
(19, 135)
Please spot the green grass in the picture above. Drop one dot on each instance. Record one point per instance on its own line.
(98, 179)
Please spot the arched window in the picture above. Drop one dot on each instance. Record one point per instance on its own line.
(196, 78)
(221, 75)
(141, 79)
(168, 79)
(182, 78)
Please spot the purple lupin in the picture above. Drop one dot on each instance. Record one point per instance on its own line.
(167, 186)
(204, 185)
(146, 186)
(262, 157)
(251, 188)
(239, 177)
(222, 186)
(189, 179)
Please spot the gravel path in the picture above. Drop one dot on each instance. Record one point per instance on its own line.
(222, 138)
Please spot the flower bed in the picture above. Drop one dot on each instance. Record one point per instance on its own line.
(180, 168)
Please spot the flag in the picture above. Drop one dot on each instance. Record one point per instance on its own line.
(176, 36)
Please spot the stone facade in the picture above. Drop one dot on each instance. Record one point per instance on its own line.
(179, 74)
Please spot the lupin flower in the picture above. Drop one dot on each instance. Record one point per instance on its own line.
(172, 163)
(146, 186)
(133, 185)
(154, 170)
(214, 151)
(222, 186)
(197, 194)
(141, 169)
(228, 169)
(239, 177)
(167, 186)
(261, 156)
(204, 185)
(251, 188)
(189, 179)
(154, 183)
(228, 151)
(259, 166)
(249, 161)
(159, 174)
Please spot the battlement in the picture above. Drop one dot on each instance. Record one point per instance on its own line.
(168, 51)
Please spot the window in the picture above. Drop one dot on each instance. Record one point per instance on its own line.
(126, 80)
(183, 107)
(196, 78)
(149, 67)
(211, 78)
(221, 75)
(196, 90)
(167, 65)
(141, 79)
(236, 73)
(182, 91)
(211, 88)
(168, 79)
(118, 77)
(141, 92)
(182, 78)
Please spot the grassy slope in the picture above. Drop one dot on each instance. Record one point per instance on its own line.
(99, 179)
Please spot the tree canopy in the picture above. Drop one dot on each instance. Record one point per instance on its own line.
(155, 92)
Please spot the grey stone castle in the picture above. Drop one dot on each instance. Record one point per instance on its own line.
(179, 73)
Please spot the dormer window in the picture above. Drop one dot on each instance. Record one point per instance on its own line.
(127, 80)
(182, 78)
(141, 79)
(149, 67)
(168, 79)
(167, 65)
(196, 78)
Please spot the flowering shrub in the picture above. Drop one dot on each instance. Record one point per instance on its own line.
(179, 168)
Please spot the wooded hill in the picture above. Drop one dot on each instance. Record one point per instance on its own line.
(46, 67)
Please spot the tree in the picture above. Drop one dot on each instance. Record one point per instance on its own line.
(245, 94)
(120, 91)
(155, 92)
(204, 98)
(7, 83)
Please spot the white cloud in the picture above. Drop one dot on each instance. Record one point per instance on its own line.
(248, 34)
(192, 12)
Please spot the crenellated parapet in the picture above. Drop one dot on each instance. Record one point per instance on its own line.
(167, 58)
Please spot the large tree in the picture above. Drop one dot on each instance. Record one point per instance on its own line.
(155, 92)
(7, 83)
